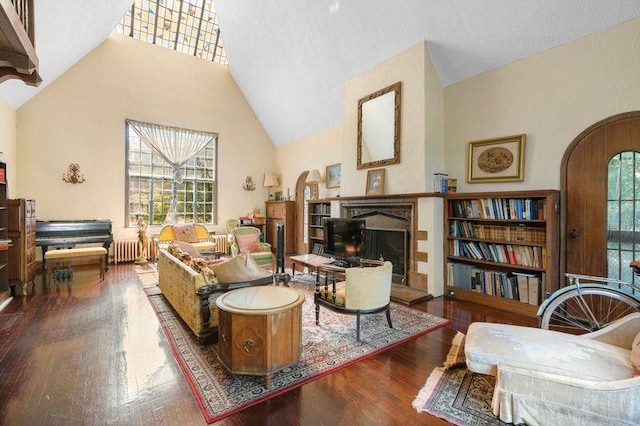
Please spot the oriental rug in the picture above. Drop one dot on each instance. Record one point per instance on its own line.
(455, 394)
(325, 349)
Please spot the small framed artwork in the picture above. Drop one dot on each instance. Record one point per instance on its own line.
(497, 160)
(333, 175)
(278, 196)
(375, 182)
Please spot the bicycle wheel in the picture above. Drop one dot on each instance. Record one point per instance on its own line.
(587, 309)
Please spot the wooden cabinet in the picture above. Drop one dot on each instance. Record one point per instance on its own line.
(4, 237)
(281, 212)
(22, 232)
(502, 248)
(259, 330)
(318, 210)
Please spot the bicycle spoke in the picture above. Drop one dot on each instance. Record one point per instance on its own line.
(587, 309)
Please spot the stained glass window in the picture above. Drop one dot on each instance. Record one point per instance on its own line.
(187, 26)
(150, 185)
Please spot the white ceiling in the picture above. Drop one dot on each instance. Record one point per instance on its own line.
(291, 57)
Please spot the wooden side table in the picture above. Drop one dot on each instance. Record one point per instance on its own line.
(260, 330)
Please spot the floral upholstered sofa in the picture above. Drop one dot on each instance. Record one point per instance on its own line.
(192, 233)
(192, 285)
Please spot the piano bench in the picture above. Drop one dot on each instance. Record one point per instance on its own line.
(91, 254)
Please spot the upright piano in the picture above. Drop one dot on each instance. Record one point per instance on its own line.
(69, 233)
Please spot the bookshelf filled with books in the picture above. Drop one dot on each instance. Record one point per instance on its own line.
(4, 236)
(502, 248)
(318, 210)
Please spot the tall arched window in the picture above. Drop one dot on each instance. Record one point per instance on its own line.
(623, 214)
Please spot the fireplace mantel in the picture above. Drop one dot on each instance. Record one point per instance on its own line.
(387, 196)
(423, 213)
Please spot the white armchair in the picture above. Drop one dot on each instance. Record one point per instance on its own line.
(366, 290)
(547, 377)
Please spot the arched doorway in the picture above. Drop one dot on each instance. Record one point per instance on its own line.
(600, 222)
(304, 192)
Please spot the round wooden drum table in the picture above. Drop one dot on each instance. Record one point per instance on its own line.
(260, 330)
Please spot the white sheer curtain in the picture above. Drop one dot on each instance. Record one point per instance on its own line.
(175, 145)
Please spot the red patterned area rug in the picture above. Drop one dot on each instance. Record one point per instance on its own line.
(326, 348)
(456, 394)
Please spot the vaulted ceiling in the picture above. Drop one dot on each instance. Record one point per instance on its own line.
(291, 57)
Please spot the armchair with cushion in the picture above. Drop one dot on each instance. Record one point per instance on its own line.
(548, 377)
(246, 239)
(365, 290)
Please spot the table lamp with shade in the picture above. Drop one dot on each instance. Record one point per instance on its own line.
(270, 180)
(313, 176)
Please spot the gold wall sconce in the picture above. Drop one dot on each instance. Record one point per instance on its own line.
(73, 174)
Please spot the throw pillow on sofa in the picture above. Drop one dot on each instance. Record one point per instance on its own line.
(186, 233)
(249, 243)
(241, 268)
(187, 248)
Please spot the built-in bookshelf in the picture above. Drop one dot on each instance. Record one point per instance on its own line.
(502, 248)
(318, 210)
(4, 235)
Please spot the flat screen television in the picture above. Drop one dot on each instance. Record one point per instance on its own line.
(344, 238)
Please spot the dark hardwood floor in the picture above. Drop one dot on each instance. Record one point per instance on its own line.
(94, 353)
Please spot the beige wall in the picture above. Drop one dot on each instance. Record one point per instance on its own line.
(316, 151)
(551, 96)
(421, 104)
(409, 175)
(80, 118)
(8, 144)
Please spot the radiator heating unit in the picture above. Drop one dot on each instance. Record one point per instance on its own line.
(127, 250)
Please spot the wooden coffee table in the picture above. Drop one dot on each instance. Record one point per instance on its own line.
(260, 330)
(311, 261)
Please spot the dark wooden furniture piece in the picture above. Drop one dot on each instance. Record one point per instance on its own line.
(281, 212)
(490, 236)
(260, 330)
(69, 233)
(318, 210)
(18, 57)
(4, 238)
(22, 232)
(311, 261)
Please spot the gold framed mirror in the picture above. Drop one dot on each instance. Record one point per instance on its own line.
(379, 128)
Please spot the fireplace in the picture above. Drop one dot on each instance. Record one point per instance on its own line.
(391, 245)
(388, 233)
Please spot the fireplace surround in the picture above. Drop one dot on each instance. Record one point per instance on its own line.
(408, 230)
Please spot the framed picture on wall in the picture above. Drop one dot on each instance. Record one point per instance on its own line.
(375, 182)
(333, 175)
(497, 160)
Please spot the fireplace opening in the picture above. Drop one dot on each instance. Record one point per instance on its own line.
(391, 245)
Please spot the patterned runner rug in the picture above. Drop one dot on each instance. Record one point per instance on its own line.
(326, 348)
(456, 394)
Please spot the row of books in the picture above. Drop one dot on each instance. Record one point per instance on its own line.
(519, 234)
(444, 184)
(526, 288)
(512, 254)
(498, 208)
(324, 209)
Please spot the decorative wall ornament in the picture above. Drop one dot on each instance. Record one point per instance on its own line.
(249, 185)
(497, 160)
(73, 174)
